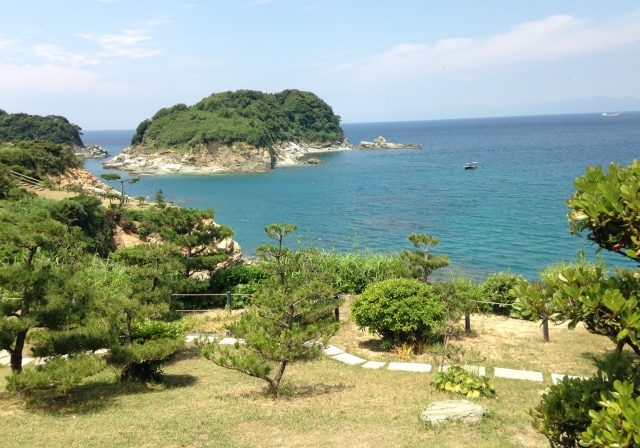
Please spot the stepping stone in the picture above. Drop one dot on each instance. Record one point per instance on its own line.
(4, 354)
(478, 370)
(409, 367)
(451, 410)
(5, 361)
(191, 338)
(556, 377)
(330, 350)
(348, 359)
(26, 361)
(101, 351)
(517, 374)
(310, 344)
(373, 365)
(228, 341)
(42, 361)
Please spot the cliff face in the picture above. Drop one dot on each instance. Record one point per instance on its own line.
(128, 237)
(211, 158)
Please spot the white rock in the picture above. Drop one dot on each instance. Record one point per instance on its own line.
(42, 361)
(517, 374)
(4, 354)
(228, 341)
(349, 359)
(5, 361)
(101, 351)
(191, 338)
(373, 365)
(478, 370)
(451, 410)
(409, 367)
(26, 361)
(330, 350)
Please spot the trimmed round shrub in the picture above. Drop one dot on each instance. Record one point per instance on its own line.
(399, 310)
(497, 288)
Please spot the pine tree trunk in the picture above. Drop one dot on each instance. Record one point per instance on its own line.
(16, 354)
(274, 384)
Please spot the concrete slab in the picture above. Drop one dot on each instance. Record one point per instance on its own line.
(191, 338)
(348, 359)
(499, 372)
(228, 341)
(5, 361)
(26, 361)
(555, 377)
(330, 350)
(478, 370)
(310, 344)
(4, 354)
(42, 361)
(373, 365)
(409, 367)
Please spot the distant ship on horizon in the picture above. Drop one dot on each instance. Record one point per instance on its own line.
(604, 114)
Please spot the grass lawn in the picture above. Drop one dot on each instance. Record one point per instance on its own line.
(331, 404)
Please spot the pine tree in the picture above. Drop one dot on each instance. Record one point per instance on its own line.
(420, 258)
(26, 230)
(290, 318)
(146, 342)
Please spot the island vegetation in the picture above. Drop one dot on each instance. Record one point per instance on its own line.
(52, 128)
(256, 118)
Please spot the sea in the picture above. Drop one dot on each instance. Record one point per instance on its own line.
(507, 215)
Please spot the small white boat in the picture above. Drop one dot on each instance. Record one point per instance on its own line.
(604, 114)
(471, 166)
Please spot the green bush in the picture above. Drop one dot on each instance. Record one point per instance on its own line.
(565, 411)
(149, 329)
(398, 310)
(461, 381)
(224, 280)
(59, 375)
(618, 422)
(497, 288)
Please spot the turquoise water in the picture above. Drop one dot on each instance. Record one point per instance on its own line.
(508, 214)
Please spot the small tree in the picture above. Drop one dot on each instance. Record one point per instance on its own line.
(116, 177)
(290, 318)
(150, 267)
(420, 259)
(160, 200)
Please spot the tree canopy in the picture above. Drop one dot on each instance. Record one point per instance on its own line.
(53, 128)
(249, 116)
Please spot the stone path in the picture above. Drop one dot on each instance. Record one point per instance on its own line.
(340, 355)
(346, 358)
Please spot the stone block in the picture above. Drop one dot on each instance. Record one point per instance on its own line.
(410, 367)
(452, 410)
(499, 372)
(330, 350)
(348, 359)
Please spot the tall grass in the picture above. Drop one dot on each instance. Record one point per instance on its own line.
(352, 272)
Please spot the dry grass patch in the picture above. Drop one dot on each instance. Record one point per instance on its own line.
(494, 341)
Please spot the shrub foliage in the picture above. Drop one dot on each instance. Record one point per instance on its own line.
(398, 310)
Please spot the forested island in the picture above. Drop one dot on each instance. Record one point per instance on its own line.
(242, 131)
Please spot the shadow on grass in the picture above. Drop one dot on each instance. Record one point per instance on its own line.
(288, 391)
(97, 393)
(187, 353)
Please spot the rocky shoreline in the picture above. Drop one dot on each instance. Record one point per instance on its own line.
(90, 152)
(214, 158)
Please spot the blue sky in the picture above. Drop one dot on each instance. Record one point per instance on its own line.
(110, 64)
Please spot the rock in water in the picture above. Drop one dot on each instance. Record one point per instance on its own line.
(444, 411)
(91, 152)
(314, 161)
